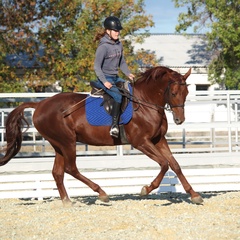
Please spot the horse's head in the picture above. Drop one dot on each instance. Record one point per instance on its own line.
(176, 93)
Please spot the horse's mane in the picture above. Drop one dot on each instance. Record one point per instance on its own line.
(153, 73)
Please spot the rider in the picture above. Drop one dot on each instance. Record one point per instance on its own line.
(108, 58)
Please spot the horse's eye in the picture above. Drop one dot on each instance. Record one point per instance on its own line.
(173, 94)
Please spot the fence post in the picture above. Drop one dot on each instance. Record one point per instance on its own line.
(184, 138)
(120, 150)
(229, 123)
(39, 189)
(2, 126)
(236, 129)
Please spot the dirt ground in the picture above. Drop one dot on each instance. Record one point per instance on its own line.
(166, 216)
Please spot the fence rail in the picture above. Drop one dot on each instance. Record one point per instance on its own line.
(121, 182)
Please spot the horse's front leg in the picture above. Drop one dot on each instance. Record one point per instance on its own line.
(166, 152)
(154, 184)
(149, 149)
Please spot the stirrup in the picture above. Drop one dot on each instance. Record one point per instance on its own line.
(114, 131)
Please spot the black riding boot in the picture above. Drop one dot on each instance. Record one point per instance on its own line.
(114, 131)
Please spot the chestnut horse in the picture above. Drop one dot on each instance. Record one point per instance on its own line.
(146, 130)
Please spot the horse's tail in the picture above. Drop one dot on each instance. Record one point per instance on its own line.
(14, 124)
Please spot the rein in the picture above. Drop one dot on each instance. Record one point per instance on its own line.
(155, 106)
(132, 98)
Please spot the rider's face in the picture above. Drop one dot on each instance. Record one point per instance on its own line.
(113, 34)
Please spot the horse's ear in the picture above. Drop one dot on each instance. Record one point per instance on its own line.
(188, 73)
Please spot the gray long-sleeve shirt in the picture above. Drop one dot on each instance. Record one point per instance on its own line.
(109, 58)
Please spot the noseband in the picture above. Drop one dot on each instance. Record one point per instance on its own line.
(169, 106)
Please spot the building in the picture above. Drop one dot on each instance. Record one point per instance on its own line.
(181, 52)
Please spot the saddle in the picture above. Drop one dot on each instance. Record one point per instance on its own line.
(107, 99)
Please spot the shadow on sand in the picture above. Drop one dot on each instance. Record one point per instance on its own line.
(171, 198)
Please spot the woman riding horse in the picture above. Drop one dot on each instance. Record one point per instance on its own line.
(109, 57)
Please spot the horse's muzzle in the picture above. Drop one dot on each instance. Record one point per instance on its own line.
(178, 121)
(178, 116)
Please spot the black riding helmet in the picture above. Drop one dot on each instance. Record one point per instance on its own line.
(112, 23)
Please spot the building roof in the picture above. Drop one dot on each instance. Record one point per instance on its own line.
(173, 50)
(176, 50)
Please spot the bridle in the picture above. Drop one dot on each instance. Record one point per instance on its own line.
(169, 106)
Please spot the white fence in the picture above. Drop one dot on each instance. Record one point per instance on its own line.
(206, 146)
(24, 178)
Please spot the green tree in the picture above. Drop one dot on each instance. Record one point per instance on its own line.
(59, 36)
(31, 30)
(221, 19)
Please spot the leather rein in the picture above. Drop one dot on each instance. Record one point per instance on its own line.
(153, 105)
(132, 98)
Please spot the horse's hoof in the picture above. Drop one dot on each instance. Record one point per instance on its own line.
(144, 191)
(67, 203)
(197, 200)
(104, 198)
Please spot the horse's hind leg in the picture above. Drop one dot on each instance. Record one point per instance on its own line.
(73, 171)
(58, 175)
(71, 168)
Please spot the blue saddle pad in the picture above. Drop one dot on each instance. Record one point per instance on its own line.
(97, 115)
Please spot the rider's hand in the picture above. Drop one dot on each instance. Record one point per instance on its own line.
(131, 76)
(108, 85)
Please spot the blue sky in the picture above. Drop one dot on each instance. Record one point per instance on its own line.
(164, 14)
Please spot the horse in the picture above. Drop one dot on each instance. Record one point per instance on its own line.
(153, 90)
